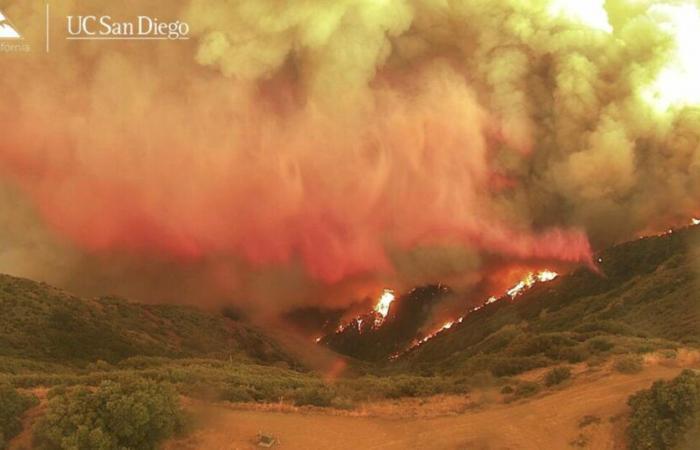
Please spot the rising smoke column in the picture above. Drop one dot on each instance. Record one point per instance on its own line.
(315, 143)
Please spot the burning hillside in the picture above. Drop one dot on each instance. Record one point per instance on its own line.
(374, 336)
(373, 327)
(528, 281)
(384, 303)
(363, 331)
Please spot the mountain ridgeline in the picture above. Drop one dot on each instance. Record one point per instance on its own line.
(644, 298)
(43, 323)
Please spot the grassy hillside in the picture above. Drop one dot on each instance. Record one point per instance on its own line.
(39, 322)
(645, 298)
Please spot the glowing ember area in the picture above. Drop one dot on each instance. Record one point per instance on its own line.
(529, 280)
(375, 317)
(382, 307)
(447, 325)
(546, 275)
(523, 284)
(694, 221)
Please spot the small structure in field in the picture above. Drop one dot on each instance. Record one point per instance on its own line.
(266, 440)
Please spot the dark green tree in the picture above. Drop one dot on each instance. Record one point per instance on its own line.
(663, 414)
(135, 415)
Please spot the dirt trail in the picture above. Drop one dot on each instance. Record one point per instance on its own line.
(24, 439)
(549, 421)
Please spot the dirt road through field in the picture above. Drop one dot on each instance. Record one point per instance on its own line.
(549, 421)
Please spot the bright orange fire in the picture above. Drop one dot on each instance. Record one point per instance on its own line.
(694, 221)
(529, 280)
(381, 309)
(382, 306)
(447, 325)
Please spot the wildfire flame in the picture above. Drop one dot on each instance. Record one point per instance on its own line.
(387, 298)
(523, 284)
(382, 306)
(381, 309)
(530, 279)
(693, 222)
(546, 275)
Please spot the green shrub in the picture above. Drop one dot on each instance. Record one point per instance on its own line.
(669, 353)
(600, 344)
(663, 414)
(514, 365)
(12, 406)
(236, 393)
(548, 344)
(342, 403)
(581, 441)
(407, 387)
(629, 364)
(319, 396)
(499, 340)
(481, 380)
(570, 354)
(507, 389)
(526, 389)
(136, 414)
(557, 375)
(606, 326)
(397, 386)
(644, 348)
(588, 420)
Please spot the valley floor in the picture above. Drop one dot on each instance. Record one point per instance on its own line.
(551, 420)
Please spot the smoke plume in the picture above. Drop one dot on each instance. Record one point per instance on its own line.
(306, 151)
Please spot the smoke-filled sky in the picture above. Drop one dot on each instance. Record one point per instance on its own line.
(311, 151)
